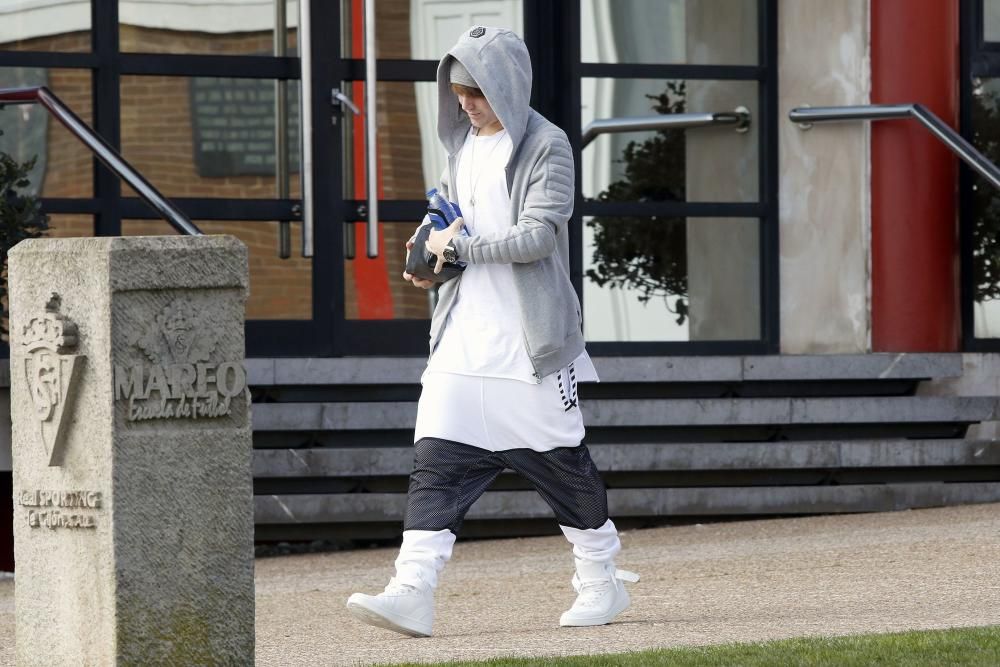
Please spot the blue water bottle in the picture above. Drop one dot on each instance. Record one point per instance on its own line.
(442, 212)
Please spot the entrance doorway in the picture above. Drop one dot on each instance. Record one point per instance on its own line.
(674, 235)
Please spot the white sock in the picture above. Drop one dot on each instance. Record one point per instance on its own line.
(599, 545)
(422, 556)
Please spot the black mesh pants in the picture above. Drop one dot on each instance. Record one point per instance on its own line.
(448, 477)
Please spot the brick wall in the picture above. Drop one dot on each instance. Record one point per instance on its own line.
(62, 225)
(400, 150)
(70, 171)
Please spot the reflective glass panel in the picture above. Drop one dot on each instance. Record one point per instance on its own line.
(991, 20)
(214, 27)
(407, 30)
(985, 214)
(410, 157)
(374, 289)
(692, 32)
(45, 25)
(671, 279)
(64, 167)
(716, 163)
(280, 289)
(207, 136)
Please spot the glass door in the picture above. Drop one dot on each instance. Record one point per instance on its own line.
(375, 311)
(677, 224)
(674, 236)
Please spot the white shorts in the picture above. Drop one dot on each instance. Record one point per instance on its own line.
(498, 413)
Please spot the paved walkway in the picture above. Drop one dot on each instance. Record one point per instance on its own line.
(700, 585)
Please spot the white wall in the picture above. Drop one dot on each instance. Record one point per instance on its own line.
(824, 59)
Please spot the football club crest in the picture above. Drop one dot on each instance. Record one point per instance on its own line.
(177, 335)
(51, 373)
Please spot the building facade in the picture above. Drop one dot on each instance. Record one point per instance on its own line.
(758, 238)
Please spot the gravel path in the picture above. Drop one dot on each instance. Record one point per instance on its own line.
(742, 581)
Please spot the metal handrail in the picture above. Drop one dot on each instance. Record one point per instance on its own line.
(103, 150)
(740, 117)
(805, 116)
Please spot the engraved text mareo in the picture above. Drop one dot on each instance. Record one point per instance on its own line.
(191, 391)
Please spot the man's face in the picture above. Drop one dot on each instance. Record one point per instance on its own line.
(480, 112)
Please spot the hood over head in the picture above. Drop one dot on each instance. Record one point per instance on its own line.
(498, 61)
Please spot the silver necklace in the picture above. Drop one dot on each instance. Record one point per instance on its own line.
(473, 184)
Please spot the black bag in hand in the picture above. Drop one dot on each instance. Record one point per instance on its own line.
(421, 261)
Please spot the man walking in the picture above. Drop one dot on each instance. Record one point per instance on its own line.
(507, 350)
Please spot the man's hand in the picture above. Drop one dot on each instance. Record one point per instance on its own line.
(417, 282)
(437, 240)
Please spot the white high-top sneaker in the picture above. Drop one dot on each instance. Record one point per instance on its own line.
(601, 593)
(400, 607)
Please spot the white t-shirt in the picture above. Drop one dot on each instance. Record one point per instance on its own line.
(483, 335)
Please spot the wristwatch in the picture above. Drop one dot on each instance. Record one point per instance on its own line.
(449, 254)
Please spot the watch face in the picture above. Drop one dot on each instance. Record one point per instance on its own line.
(449, 254)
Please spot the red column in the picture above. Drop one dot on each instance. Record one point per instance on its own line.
(371, 276)
(915, 291)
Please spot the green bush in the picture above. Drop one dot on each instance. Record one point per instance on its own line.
(21, 217)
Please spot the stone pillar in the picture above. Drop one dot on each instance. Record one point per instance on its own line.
(823, 60)
(133, 516)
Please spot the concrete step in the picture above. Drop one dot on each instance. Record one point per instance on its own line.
(633, 457)
(716, 501)
(779, 368)
(657, 413)
(760, 435)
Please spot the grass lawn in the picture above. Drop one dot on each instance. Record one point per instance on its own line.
(960, 646)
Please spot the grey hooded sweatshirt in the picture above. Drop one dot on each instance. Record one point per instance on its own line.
(540, 180)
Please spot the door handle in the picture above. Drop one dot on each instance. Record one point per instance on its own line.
(337, 97)
(739, 117)
(306, 124)
(281, 128)
(370, 129)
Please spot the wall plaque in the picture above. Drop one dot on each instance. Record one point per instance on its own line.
(233, 123)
